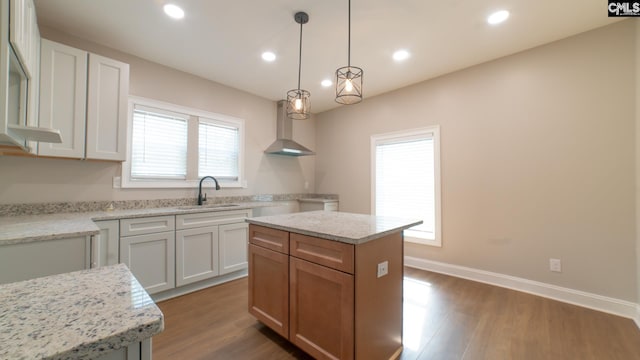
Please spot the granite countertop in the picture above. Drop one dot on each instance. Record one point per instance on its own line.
(79, 315)
(338, 226)
(317, 200)
(31, 228)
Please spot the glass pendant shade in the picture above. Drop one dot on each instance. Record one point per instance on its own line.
(349, 85)
(298, 104)
(298, 100)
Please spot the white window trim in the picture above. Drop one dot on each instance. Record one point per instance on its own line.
(434, 132)
(191, 181)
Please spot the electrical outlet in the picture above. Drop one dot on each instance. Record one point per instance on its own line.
(383, 268)
(555, 265)
(117, 180)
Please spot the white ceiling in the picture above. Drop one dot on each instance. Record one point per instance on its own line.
(222, 40)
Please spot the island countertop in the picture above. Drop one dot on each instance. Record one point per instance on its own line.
(339, 226)
(78, 315)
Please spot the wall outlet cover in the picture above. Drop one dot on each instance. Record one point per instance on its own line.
(555, 265)
(383, 268)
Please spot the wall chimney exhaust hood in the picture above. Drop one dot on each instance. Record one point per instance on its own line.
(284, 145)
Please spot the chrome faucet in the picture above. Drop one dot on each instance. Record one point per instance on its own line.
(201, 198)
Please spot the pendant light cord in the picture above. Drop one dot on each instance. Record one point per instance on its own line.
(300, 57)
(349, 48)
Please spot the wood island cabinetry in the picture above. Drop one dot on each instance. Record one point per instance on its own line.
(325, 295)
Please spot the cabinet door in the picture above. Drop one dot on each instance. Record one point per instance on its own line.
(322, 313)
(151, 259)
(107, 108)
(196, 254)
(63, 94)
(233, 247)
(108, 250)
(35, 259)
(22, 16)
(269, 288)
(34, 86)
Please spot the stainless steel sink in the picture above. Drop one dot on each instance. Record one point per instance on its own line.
(212, 206)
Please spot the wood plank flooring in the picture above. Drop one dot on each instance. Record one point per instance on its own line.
(444, 318)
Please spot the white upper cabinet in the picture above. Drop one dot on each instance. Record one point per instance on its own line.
(23, 24)
(107, 108)
(85, 96)
(63, 94)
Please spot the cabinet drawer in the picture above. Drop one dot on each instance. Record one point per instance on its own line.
(147, 225)
(331, 206)
(195, 220)
(273, 239)
(334, 254)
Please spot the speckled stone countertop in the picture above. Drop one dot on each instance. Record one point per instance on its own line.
(317, 200)
(31, 228)
(338, 226)
(78, 315)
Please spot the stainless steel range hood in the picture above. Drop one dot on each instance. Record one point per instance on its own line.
(284, 145)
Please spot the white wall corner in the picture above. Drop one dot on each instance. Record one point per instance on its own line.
(597, 302)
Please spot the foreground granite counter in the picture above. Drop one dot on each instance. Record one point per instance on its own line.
(339, 226)
(78, 315)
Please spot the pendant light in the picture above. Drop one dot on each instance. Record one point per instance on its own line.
(349, 78)
(298, 102)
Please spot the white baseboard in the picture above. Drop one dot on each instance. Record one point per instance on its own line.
(592, 301)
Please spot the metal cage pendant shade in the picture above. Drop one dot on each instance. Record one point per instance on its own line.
(298, 100)
(349, 78)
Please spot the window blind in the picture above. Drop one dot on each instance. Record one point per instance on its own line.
(218, 150)
(405, 182)
(159, 144)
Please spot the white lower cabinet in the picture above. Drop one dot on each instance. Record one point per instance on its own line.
(151, 259)
(30, 260)
(167, 252)
(135, 351)
(196, 254)
(210, 244)
(233, 247)
(107, 249)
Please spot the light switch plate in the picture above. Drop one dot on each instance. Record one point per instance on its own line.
(383, 268)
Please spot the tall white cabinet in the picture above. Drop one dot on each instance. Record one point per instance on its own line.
(85, 96)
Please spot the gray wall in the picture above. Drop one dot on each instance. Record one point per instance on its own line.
(537, 157)
(25, 180)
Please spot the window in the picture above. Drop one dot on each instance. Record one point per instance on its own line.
(406, 180)
(173, 146)
(158, 145)
(218, 150)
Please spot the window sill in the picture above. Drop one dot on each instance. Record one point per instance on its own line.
(429, 242)
(178, 184)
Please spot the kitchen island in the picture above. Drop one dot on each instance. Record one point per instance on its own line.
(89, 314)
(330, 282)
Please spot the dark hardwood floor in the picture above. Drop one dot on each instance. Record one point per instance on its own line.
(444, 318)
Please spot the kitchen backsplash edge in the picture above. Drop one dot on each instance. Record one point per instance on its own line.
(99, 205)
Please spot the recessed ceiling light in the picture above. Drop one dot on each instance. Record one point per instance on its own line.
(174, 11)
(326, 83)
(401, 55)
(268, 56)
(498, 17)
